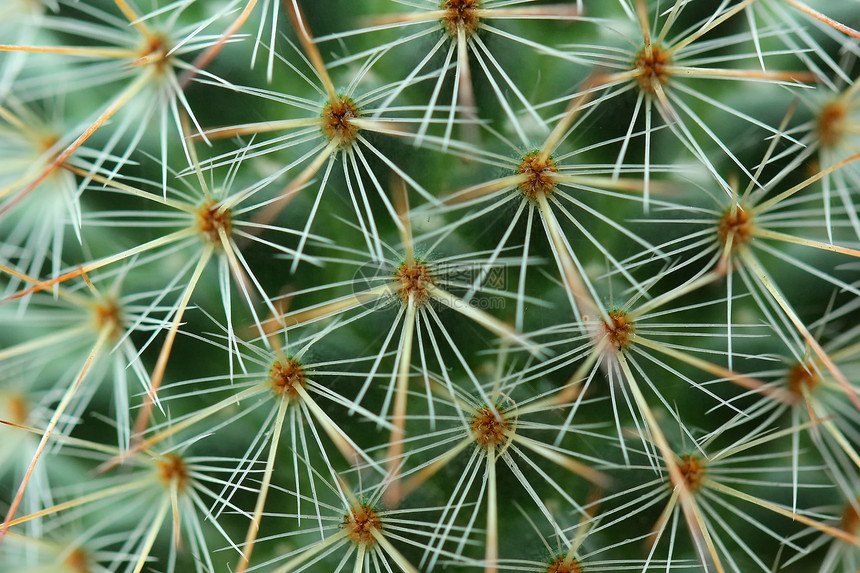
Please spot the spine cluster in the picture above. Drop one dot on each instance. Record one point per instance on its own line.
(426, 285)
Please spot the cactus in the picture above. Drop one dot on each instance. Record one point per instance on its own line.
(461, 285)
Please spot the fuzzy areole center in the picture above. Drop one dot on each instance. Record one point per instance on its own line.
(802, 378)
(46, 142)
(77, 561)
(540, 175)
(360, 523)
(172, 468)
(286, 377)
(461, 15)
(337, 124)
(107, 317)
(851, 520)
(17, 409)
(650, 64)
(831, 123)
(491, 427)
(414, 280)
(619, 329)
(563, 565)
(211, 220)
(736, 223)
(693, 471)
(156, 52)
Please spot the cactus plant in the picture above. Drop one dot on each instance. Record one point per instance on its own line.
(461, 285)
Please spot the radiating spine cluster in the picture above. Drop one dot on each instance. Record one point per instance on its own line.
(414, 286)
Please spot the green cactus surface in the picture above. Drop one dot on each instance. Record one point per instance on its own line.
(400, 286)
